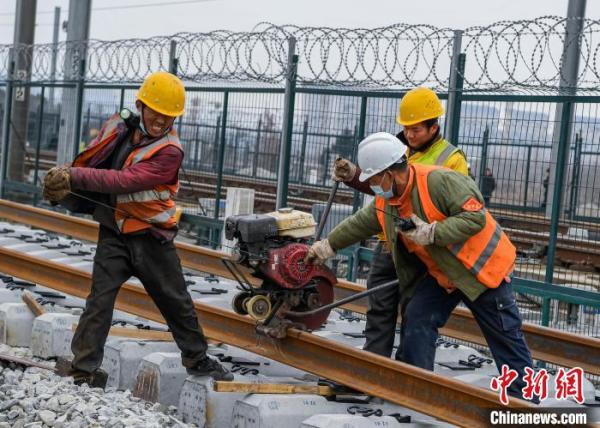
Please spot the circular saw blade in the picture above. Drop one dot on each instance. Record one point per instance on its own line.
(312, 322)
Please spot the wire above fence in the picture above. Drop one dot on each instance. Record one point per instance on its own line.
(505, 55)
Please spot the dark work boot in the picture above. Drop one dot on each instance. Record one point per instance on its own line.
(212, 368)
(96, 379)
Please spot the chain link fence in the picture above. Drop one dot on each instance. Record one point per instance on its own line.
(522, 123)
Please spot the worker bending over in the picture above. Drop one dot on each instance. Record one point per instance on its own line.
(466, 255)
(419, 113)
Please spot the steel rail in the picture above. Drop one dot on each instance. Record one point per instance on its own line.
(554, 346)
(444, 398)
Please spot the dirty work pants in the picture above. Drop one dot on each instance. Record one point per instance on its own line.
(382, 313)
(157, 266)
(496, 314)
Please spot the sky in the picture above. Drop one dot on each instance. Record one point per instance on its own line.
(169, 17)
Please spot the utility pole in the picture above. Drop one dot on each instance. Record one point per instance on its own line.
(54, 52)
(561, 141)
(23, 41)
(569, 69)
(78, 30)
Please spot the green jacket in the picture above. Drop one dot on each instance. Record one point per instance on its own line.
(449, 190)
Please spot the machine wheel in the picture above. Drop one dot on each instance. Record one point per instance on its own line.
(320, 296)
(239, 303)
(258, 307)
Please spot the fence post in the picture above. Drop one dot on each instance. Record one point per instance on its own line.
(38, 143)
(362, 119)
(256, 149)
(326, 164)
(285, 148)
(196, 145)
(215, 145)
(79, 106)
(563, 144)
(575, 176)
(453, 95)
(173, 60)
(453, 135)
(122, 99)
(527, 171)
(303, 151)
(484, 154)
(6, 120)
(221, 158)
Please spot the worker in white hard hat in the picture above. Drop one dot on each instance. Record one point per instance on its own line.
(419, 113)
(466, 255)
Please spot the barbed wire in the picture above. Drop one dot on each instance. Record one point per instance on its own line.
(502, 56)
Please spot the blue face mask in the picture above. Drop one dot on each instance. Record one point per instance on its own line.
(385, 194)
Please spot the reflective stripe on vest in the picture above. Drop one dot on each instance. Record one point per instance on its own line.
(148, 207)
(437, 154)
(443, 157)
(489, 255)
(143, 151)
(145, 196)
(138, 210)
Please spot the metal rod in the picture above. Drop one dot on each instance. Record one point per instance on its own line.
(345, 300)
(325, 214)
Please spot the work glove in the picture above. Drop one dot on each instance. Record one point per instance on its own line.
(422, 234)
(343, 170)
(57, 184)
(319, 252)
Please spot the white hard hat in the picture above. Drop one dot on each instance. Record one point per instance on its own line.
(377, 152)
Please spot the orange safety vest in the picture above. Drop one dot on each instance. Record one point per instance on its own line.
(488, 255)
(139, 210)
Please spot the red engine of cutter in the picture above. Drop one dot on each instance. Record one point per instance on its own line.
(276, 255)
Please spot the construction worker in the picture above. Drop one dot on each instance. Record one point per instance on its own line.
(466, 254)
(419, 113)
(130, 173)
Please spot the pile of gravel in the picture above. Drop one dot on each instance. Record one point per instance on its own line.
(39, 398)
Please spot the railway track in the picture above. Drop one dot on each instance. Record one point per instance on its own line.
(554, 346)
(528, 231)
(569, 251)
(444, 398)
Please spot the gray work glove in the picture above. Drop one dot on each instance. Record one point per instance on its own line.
(422, 234)
(57, 183)
(319, 253)
(343, 170)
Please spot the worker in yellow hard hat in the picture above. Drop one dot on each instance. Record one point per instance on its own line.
(419, 114)
(130, 171)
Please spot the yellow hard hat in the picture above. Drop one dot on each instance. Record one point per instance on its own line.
(418, 105)
(163, 92)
